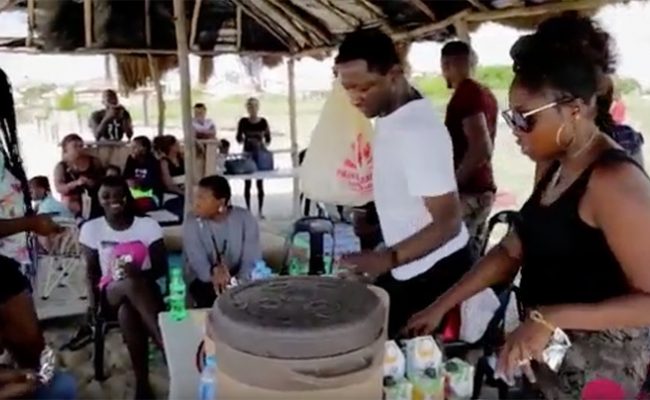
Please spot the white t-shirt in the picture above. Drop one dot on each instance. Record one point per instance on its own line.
(203, 126)
(412, 159)
(98, 235)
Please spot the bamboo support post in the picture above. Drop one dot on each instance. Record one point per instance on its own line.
(30, 22)
(462, 31)
(155, 72)
(293, 130)
(195, 21)
(186, 99)
(239, 28)
(88, 22)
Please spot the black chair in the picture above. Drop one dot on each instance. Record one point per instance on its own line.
(316, 228)
(494, 334)
(94, 331)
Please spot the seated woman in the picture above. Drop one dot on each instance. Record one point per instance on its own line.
(136, 298)
(142, 172)
(220, 241)
(77, 176)
(172, 166)
(581, 240)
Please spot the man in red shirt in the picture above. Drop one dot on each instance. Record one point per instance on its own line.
(471, 120)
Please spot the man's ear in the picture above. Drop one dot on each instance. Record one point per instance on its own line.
(395, 72)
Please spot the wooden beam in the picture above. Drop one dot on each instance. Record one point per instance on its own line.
(429, 29)
(30, 22)
(531, 11)
(88, 22)
(186, 99)
(311, 28)
(348, 19)
(293, 131)
(420, 5)
(243, 4)
(478, 5)
(195, 21)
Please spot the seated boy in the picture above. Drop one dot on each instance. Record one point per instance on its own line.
(45, 203)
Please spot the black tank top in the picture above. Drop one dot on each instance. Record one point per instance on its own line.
(564, 259)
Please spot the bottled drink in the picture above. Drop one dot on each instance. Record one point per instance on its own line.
(177, 295)
(261, 271)
(208, 380)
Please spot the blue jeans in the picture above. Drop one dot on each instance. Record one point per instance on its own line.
(62, 387)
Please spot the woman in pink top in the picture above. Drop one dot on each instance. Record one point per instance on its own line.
(121, 239)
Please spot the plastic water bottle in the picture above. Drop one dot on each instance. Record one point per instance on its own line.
(208, 381)
(261, 271)
(177, 295)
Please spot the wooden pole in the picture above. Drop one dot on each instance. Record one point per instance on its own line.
(30, 22)
(88, 22)
(462, 31)
(293, 129)
(186, 99)
(154, 71)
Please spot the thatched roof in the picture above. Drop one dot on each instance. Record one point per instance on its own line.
(262, 27)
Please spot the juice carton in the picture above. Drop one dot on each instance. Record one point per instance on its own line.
(429, 385)
(459, 377)
(397, 389)
(394, 361)
(422, 353)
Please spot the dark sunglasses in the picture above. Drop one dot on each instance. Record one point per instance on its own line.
(524, 122)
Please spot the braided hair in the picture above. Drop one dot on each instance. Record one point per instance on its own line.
(9, 145)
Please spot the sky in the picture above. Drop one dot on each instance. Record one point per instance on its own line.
(628, 24)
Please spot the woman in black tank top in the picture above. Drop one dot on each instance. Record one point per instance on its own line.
(581, 240)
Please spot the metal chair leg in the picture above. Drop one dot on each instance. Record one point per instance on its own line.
(98, 353)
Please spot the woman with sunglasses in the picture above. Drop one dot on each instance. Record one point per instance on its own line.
(581, 240)
(578, 34)
(220, 241)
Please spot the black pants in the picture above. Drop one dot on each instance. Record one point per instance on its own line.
(203, 293)
(410, 296)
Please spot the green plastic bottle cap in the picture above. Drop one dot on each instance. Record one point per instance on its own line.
(431, 373)
(451, 367)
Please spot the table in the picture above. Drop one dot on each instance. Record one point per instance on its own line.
(181, 340)
(283, 173)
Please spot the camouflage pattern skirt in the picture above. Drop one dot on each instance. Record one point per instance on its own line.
(476, 209)
(621, 356)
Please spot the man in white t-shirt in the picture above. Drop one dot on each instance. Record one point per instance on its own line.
(204, 127)
(414, 181)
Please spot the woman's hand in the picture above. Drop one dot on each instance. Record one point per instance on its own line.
(16, 383)
(220, 278)
(130, 270)
(43, 225)
(524, 344)
(425, 322)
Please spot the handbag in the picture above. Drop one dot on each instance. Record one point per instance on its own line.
(264, 160)
(240, 164)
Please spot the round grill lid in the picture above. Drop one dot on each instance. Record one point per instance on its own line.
(298, 317)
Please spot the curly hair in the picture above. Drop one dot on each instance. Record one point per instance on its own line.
(572, 54)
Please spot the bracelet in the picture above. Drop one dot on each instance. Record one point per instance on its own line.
(537, 316)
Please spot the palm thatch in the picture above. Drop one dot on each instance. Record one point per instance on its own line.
(268, 28)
